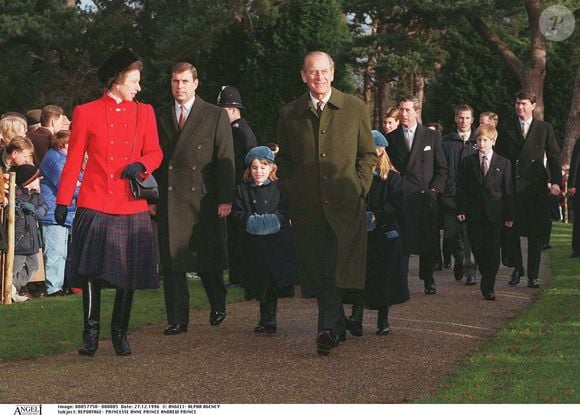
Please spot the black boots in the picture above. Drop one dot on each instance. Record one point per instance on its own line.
(267, 323)
(91, 314)
(268, 307)
(120, 321)
(383, 322)
(354, 322)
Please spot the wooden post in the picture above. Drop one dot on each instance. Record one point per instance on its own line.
(9, 264)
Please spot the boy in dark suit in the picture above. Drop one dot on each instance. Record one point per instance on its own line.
(485, 200)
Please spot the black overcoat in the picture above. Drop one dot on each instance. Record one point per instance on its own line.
(422, 168)
(529, 174)
(386, 281)
(266, 257)
(197, 174)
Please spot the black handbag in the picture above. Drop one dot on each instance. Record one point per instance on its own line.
(145, 188)
(148, 188)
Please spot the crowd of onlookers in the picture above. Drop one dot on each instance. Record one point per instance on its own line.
(34, 146)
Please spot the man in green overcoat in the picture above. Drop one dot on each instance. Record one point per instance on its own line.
(326, 158)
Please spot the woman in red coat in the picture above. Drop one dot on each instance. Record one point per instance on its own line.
(112, 236)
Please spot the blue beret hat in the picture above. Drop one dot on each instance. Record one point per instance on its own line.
(380, 140)
(260, 152)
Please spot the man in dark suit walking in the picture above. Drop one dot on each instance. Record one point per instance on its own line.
(485, 199)
(196, 188)
(417, 154)
(525, 141)
(457, 145)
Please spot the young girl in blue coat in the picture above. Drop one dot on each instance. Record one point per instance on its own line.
(262, 213)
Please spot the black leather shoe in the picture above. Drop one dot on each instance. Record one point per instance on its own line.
(354, 322)
(325, 341)
(216, 317)
(489, 296)
(516, 275)
(175, 329)
(533, 283)
(430, 288)
(471, 280)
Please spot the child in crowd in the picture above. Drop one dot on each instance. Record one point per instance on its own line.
(30, 207)
(54, 236)
(386, 280)
(262, 212)
(485, 200)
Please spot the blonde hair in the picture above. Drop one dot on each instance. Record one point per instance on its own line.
(491, 115)
(384, 165)
(247, 177)
(11, 126)
(486, 130)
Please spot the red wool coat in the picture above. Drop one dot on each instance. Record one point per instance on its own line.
(108, 131)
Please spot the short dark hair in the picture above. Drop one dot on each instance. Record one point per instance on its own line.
(463, 107)
(60, 139)
(526, 94)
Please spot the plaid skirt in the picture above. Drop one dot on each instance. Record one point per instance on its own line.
(118, 249)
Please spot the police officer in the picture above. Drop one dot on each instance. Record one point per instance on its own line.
(244, 139)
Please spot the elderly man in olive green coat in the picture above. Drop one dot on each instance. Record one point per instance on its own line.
(325, 167)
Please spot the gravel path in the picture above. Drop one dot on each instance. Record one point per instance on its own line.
(430, 336)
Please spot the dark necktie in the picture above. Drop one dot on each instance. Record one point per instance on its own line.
(484, 166)
(182, 117)
(319, 108)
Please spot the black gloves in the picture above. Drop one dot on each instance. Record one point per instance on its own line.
(132, 171)
(60, 214)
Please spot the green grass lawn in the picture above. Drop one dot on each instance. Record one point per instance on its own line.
(50, 325)
(535, 358)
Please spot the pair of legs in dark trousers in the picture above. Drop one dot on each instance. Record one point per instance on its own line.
(330, 309)
(331, 319)
(176, 293)
(485, 240)
(458, 244)
(534, 254)
(92, 316)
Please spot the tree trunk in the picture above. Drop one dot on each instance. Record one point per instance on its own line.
(368, 88)
(533, 75)
(573, 124)
(419, 92)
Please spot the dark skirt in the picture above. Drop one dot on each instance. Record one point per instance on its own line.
(117, 249)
